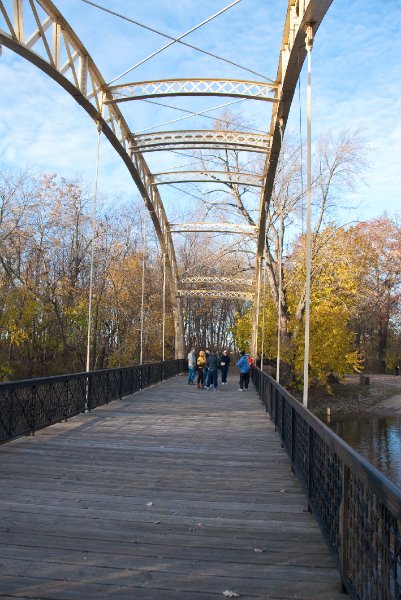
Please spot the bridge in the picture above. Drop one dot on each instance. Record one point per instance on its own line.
(135, 485)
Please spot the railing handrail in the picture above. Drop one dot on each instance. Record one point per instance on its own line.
(80, 374)
(31, 404)
(351, 458)
(357, 508)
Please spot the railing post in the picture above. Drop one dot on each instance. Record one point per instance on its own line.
(282, 421)
(344, 524)
(310, 464)
(120, 384)
(274, 392)
(66, 395)
(33, 408)
(292, 438)
(89, 384)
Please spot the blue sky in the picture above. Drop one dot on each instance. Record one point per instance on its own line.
(356, 75)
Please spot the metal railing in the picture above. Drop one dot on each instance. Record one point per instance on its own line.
(31, 404)
(357, 508)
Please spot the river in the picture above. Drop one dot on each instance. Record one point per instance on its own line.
(376, 438)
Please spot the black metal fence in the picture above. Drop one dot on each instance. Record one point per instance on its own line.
(31, 404)
(357, 508)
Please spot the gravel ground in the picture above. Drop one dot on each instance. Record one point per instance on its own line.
(352, 397)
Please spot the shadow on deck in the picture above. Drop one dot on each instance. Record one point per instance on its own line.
(172, 493)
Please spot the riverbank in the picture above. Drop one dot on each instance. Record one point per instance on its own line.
(381, 397)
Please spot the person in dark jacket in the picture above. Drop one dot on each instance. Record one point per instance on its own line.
(225, 363)
(205, 369)
(243, 372)
(213, 366)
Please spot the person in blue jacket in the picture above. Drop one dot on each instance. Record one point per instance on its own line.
(244, 370)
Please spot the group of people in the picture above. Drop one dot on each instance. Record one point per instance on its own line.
(207, 366)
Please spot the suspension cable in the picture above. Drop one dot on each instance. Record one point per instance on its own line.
(174, 40)
(89, 338)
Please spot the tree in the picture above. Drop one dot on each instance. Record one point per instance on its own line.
(378, 318)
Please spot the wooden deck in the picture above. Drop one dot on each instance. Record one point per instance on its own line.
(173, 493)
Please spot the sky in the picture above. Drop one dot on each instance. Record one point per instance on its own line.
(356, 84)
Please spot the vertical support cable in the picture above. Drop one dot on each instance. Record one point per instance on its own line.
(254, 350)
(308, 43)
(164, 304)
(280, 283)
(263, 309)
(280, 295)
(143, 287)
(88, 345)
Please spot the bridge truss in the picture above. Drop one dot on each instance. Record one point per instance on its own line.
(37, 31)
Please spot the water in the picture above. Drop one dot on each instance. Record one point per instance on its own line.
(376, 438)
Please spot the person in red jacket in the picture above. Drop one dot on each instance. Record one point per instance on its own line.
(251, 362)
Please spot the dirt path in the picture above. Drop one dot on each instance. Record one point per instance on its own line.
(390, 406)
(381, 397)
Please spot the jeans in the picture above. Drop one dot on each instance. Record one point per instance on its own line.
(205, 372)
(191, 374)
(224, 371)
(244, 379)
(212, 379)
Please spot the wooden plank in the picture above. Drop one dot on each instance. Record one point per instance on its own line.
(171, 493)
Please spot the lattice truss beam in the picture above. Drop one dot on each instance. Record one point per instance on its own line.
(202, 140)
(215, 281)
(226, 294)
(224, 177)
(256, 90)
(203, 227)
(218, 287)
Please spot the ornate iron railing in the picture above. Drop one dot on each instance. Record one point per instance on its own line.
(357, 508)
(31, 404)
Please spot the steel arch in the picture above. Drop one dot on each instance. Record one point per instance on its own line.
(79, 76)
(87, 86)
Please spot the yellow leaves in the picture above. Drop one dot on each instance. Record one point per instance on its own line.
(19, 311)
(17, 334)
(336, 286)
(242, 330)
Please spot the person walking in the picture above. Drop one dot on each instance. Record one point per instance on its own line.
(191, 366)
(200, 365)
(243, 371)
(225, 363)
(213, 366)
